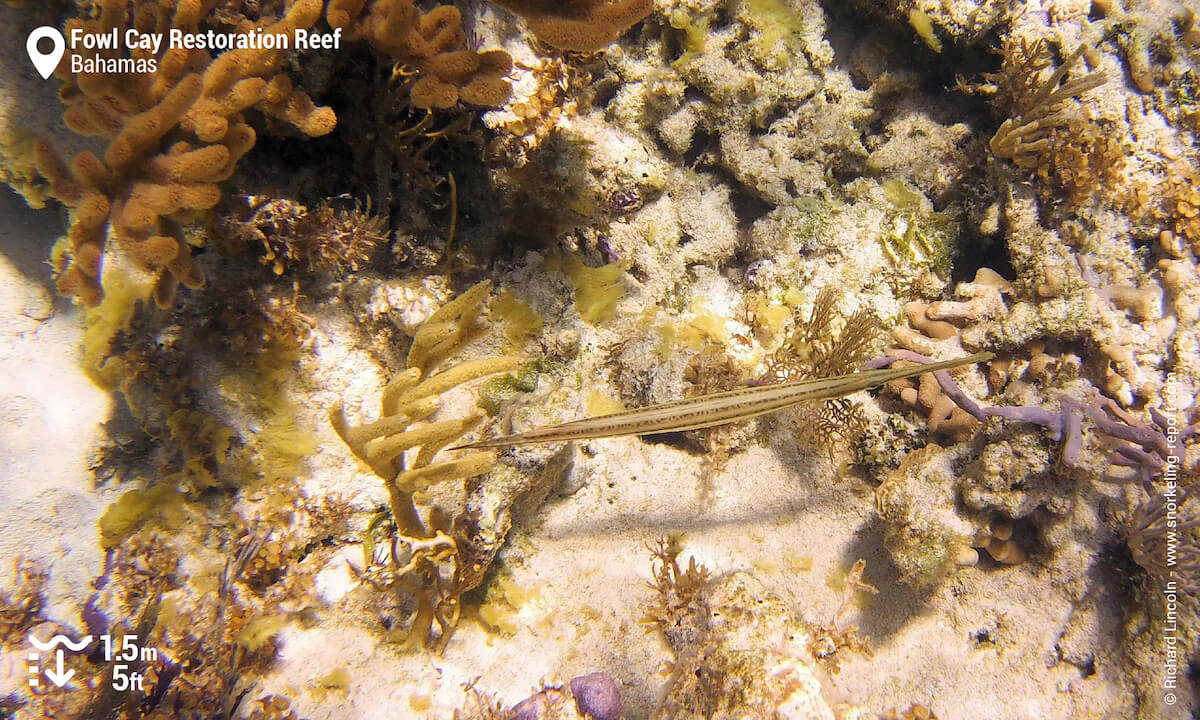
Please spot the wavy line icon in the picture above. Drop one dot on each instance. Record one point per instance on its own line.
(60, 640)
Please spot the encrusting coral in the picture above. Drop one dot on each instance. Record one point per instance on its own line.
(173, 136)
(429, 557)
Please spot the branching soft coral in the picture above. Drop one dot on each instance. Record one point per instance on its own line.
(1027, 134)
(814, 350)
(427, 557)
(173, 136)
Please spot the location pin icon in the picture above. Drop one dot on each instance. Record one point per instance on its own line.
(45, 62)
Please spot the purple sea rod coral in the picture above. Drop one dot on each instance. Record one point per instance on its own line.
(1142, 446)
(1162, 533)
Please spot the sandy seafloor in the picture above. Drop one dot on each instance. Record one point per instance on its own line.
(584, 562)
(1049, 637)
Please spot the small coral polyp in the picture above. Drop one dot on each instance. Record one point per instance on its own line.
(173, 137)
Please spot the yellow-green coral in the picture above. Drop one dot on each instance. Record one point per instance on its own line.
(455, 324)
(432, 568)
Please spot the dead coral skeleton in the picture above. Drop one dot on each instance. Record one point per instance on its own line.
(426, 556)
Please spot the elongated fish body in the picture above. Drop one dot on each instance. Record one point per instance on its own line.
(719, 408)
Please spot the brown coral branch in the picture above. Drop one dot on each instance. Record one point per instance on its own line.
(1024, 138)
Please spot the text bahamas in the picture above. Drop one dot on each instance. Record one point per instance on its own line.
(150, 45)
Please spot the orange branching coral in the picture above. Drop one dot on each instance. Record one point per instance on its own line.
(432, 43)
(581, 26)
(564, 85)
(174, 134)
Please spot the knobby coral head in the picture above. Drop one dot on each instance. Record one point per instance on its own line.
(580, 26)
(431, 44)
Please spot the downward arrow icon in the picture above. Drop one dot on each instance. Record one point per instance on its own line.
(58, 677)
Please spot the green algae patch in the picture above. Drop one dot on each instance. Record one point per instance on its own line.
(502, 388)
(597, 289)
(163, 503)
